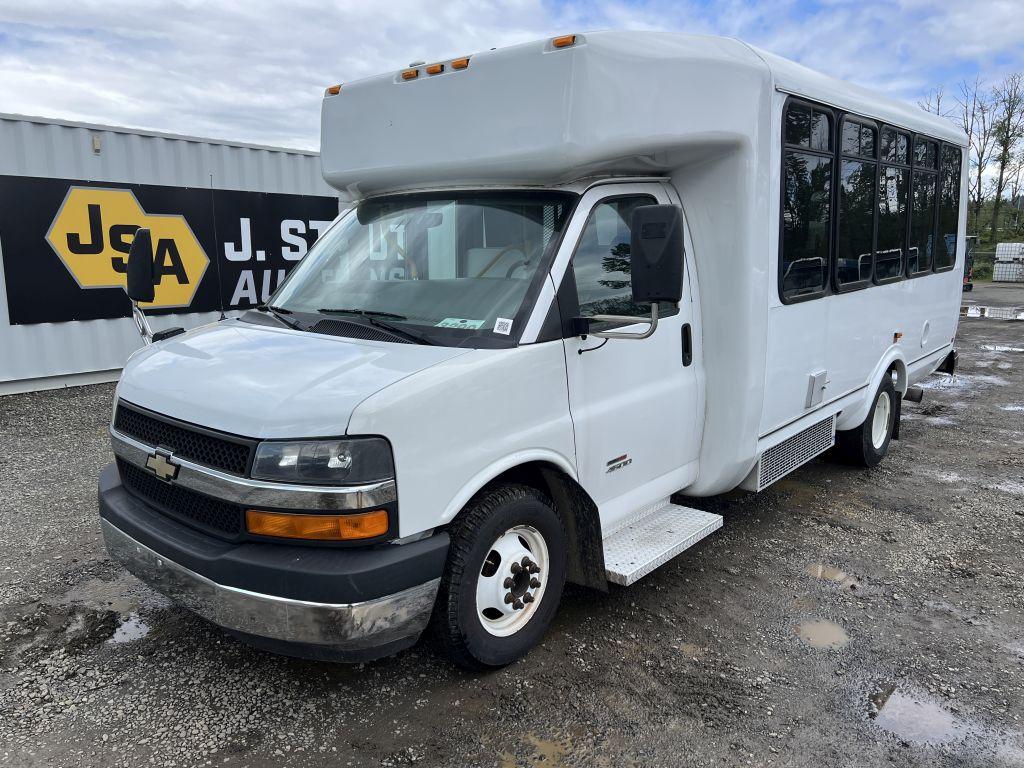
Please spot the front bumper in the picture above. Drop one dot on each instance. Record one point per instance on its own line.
(319, 602)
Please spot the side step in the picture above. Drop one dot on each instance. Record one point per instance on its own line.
(637, 548)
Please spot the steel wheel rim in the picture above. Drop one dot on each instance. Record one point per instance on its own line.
(880, 421)
(509, 590)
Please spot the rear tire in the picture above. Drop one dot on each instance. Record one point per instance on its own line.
(867, 445)
(504, 577)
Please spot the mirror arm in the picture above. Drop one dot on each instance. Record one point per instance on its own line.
(653, 320)
(141, 323)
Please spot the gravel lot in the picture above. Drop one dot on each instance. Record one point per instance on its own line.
(841, 618)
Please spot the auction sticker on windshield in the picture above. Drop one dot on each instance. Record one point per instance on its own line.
(460, 322)
(503, 326)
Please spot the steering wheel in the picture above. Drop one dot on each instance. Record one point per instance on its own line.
(522, 248)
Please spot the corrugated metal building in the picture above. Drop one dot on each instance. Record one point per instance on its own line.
(37, 355)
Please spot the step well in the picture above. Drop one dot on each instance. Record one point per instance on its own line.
(643, 544)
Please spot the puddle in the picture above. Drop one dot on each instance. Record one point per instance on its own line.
(918, 718)
(131, 627)
(1001, 348)
(547, 753)
(831, 573)
(822, 634)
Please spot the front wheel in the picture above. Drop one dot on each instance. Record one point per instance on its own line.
(867, 445)
(504, 577)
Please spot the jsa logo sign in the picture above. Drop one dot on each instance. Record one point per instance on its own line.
(92, 234)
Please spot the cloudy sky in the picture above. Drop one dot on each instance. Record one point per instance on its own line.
(255, 71)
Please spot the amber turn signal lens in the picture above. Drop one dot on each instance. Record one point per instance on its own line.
(361, 525)
(334, 90)
(460, 63)
(410, 74)
(564, 41)
(435, 69)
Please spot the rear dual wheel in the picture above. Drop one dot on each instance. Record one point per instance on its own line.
(504, 577)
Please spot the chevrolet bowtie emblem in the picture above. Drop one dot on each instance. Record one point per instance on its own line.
(162, 466)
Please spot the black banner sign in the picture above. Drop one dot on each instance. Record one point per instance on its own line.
(65, 242)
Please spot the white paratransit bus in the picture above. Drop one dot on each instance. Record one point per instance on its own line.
(581, 277)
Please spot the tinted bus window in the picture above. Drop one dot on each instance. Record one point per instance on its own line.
(856, 221)
(925, 153)
(922, 223)
(949, 207)
(895, 147)
(808, 127)
(892, 222)
(806, 223)
(858, 140)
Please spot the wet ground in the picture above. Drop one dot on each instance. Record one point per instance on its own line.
(841, 618)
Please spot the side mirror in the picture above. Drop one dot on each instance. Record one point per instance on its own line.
(141, 272)
(656, 254)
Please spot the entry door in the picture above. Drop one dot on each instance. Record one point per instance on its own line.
(633, 401)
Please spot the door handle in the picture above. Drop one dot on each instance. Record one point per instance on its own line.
(687, 344)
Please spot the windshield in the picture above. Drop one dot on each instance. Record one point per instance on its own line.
(448, 267)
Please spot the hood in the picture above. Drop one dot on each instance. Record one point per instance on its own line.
(266, 382)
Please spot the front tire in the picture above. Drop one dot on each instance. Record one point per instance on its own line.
(504, 577)
(867, 445)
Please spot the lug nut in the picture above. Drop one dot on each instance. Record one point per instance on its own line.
(526, 562)
(517, 605)
(508, 598)
(527, 598)
(508, 582)
(534, 583)
(534, 568)
(515, 567)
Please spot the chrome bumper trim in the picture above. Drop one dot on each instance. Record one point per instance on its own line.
(258, 493)
(345, 626)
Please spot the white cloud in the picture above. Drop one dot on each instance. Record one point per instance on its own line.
(255, 71)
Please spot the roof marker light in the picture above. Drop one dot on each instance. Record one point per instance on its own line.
(435, 69)
(410, 74)
(334, 90)
(462, 63)
(564, 41)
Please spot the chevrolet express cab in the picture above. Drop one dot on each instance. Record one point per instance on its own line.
(581, 280)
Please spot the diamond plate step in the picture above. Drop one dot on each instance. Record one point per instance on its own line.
(639, 547)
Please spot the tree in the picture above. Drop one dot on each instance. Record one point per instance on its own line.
(975, 117)
(932, 102)
(1008, 130)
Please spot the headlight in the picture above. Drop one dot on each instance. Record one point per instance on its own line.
(325, 462)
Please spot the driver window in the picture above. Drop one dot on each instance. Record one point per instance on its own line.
(601, 261)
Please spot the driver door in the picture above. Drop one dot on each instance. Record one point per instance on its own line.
(633, 401)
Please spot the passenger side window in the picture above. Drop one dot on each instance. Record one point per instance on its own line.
(601, 262)
(922, 223)
(856, 223)
(893, 193)
(949, 207)
(806, 201)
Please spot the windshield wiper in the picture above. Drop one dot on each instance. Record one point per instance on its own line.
(279, 313)
(364, 312)
(373, 317)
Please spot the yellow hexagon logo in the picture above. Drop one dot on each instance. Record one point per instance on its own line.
(93, 232)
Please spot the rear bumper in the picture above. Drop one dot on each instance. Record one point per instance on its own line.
(343, 604)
